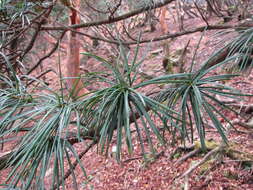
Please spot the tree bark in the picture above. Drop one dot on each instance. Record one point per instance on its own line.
(164, 26)
(74, 83)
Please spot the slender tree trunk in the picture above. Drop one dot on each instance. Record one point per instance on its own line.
(164, 26)
(74, 83)
(166, 43)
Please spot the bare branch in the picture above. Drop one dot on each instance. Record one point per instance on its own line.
(110, 20)
(207, 156)
(48, 55)
(168, 36)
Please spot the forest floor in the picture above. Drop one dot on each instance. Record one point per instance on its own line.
(162, 172)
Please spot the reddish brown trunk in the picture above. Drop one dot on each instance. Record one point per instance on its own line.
(164, 26)
(166, 43)
(75, 84)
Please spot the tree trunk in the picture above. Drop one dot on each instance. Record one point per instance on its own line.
(164, 26)
(74, 83)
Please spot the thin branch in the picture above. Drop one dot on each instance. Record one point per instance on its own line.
(110, 20)
(244, 125)
(127, 33)
(189, 155)
(213, 10)
(201, 14)
(41, 75)
(95, 9)
(202, 161)
(48, 55)
(168, 36)
(113, 11)
(44, 16)
(190, 31)
(32, 41)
